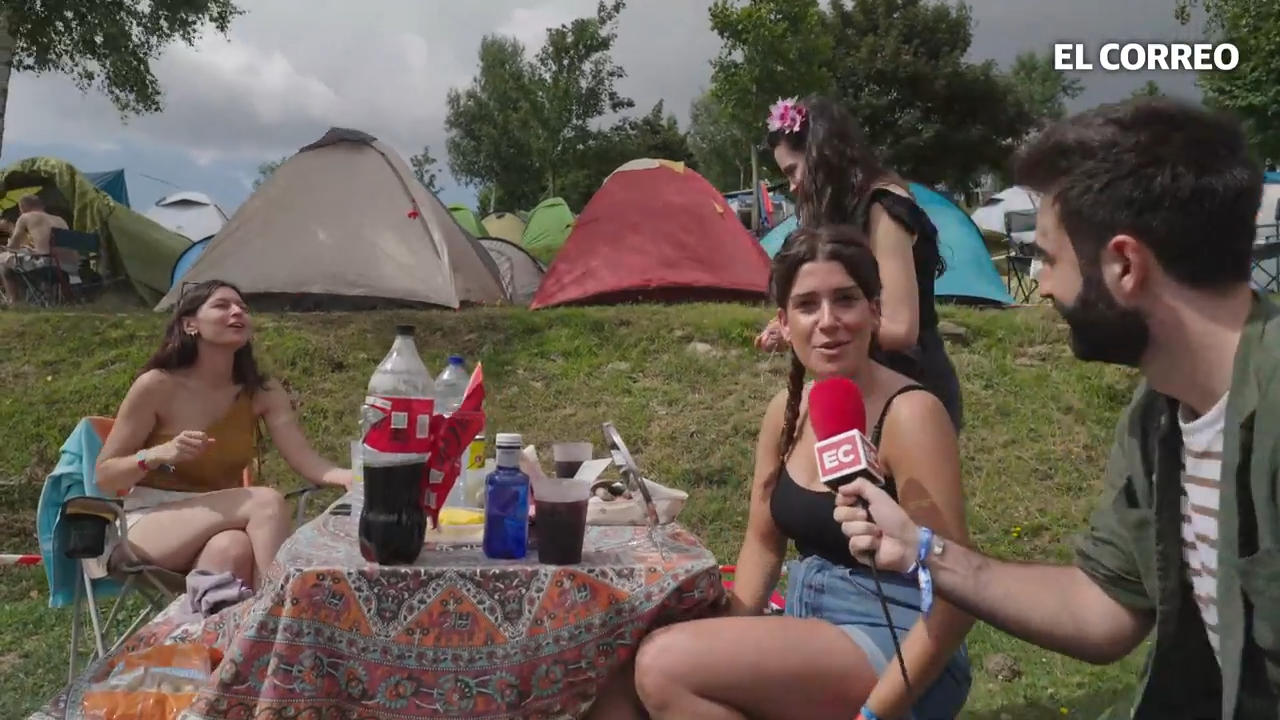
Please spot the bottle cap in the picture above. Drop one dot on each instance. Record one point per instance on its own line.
(508, 440)
(405, 330)
(456, 360)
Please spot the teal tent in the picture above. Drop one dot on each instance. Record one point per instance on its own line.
(112, 183)
(971, 276)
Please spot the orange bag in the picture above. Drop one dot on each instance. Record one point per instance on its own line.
(153, 684)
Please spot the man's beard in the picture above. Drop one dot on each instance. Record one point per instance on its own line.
(1101, 330)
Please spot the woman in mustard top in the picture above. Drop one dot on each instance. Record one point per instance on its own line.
(187, 431)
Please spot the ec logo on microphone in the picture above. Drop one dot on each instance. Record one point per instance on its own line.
(844, 457)
(1200, 57)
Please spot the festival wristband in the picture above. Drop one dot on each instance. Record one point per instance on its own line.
(923, 576)
(867, 714)
(143, 465)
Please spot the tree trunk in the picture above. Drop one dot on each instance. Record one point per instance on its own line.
(6, 70)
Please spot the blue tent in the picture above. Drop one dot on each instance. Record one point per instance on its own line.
(187, 259)
(971, 276)
(112, 183)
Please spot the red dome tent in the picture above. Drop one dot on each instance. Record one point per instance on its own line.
(656, 231)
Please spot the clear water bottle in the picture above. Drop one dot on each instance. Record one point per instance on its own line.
(451, 386)
(506, 507)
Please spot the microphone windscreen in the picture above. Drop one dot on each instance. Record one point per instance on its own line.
(836, 406)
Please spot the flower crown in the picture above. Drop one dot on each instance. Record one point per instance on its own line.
(787, 115)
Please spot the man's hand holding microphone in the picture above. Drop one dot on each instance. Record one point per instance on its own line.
(891, 540)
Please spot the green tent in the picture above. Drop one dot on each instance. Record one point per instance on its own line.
(549, 226)
(132, 245)
(467, 219)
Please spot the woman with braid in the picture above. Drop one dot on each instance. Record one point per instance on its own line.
(833, 655)
(837, 180)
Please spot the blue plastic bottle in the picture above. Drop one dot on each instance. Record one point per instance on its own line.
(506, 508)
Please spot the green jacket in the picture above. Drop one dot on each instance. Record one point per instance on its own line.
(1133, 547)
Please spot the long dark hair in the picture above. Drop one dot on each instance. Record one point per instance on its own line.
(179, 350)
(840, 167)
(844, 244)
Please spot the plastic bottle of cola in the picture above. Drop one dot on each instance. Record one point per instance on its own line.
(396, 417)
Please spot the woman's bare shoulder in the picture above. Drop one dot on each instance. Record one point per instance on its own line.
(153, 382)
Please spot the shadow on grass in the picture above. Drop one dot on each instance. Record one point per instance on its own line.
(1099, 706)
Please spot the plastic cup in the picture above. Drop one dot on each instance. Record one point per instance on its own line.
(561, 524)
(569, 456)
(357, 462)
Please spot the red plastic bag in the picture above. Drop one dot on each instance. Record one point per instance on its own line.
(153, 684)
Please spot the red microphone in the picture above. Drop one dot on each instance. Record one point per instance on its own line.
(839, 419)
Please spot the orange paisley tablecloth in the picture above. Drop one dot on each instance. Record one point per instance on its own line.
(454, 636)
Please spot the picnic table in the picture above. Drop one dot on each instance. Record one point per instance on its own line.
(454, 636)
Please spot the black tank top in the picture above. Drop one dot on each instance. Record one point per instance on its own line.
(806, 516)
(925, 253)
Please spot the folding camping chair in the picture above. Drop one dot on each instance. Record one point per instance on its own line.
(52, 281)
(1266, 256)
(127, 575)
(1020, 259)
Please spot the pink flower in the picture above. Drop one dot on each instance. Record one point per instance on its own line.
(786, 115)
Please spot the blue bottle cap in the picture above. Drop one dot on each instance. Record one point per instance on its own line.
(456, 360)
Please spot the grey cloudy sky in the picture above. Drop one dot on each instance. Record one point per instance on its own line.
(292, 68)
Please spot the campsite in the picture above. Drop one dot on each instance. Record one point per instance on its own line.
(652, 316)
(341, 242)
(576, 212)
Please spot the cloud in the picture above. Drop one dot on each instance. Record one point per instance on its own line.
(290, 69)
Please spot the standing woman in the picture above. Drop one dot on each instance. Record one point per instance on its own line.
(837, 180)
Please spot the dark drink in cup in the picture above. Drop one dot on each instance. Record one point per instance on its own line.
(393, 523)
(569, 457)
(559, 532)
(567, 468)
(561, 523)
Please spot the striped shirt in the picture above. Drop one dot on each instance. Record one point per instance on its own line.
(1202, 470)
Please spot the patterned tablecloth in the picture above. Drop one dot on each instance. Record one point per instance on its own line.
(454, 636)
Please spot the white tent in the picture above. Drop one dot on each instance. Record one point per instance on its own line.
(191, 214)
(990, 217)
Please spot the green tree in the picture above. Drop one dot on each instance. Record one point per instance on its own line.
(491, 126)
(266, 169)
(654, 135)
(770, 49)
(935, 117)
(424, 168)
(576, 79)
(720, 147)
(104, 45)
(1043, 90)
(522, 126)
(1252, 90)
(1149, 89)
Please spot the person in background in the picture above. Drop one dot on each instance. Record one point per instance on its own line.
(30, 246)
(837, 180)
(834, 651)
(1147, 233)
(184, 435)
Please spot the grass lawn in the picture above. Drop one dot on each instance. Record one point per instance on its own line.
(684, 388)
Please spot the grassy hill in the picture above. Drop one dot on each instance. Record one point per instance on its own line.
(682, 384)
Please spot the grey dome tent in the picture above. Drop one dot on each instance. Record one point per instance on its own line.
(521, 273)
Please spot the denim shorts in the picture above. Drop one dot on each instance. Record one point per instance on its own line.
(847, 598)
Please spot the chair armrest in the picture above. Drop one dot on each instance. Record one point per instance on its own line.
(107, 508)
(302, 492)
